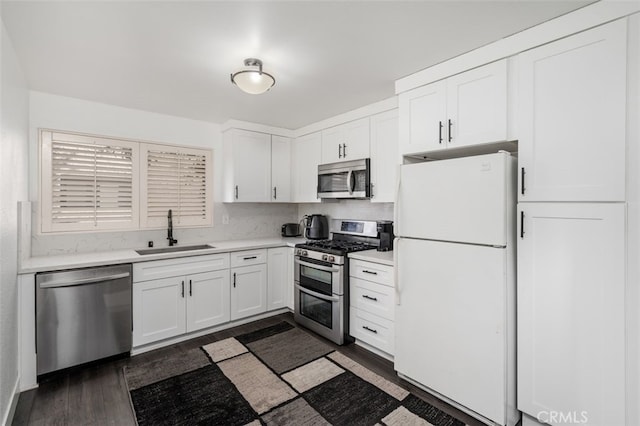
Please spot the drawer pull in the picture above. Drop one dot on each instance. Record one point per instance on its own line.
(250, 257)
(369, 272)
(370, 329)
(375, 299)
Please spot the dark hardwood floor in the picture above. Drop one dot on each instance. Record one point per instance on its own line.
(97, 394)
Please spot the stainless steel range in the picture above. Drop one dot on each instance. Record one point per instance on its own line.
(322, 277)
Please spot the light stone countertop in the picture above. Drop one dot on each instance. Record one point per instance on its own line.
(82, 260)
(382, 257)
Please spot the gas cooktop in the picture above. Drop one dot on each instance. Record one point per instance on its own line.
(337, 247)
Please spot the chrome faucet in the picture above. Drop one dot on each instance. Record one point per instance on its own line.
(170, 230)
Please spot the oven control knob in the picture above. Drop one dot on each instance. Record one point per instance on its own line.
(303, 252)
(332, 258)
(298, 251)
(325, 257)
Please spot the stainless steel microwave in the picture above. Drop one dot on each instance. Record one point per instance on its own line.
(347, 179)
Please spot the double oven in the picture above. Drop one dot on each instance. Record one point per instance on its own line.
(320, 298)
(322, 278)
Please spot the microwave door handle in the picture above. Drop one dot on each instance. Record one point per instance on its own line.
(350, 182)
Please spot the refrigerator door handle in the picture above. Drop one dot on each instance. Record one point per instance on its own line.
(396, 282)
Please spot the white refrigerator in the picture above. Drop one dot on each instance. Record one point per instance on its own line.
(455, 286)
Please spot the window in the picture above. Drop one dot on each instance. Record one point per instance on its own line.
(88, 183)
(176, 178)
(96, 183)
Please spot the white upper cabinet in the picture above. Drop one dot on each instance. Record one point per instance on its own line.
(477, 106)
(467, 109)
(280, 169)
(384, 156)
(346, 142)
(572, 117)
(423, 113)
(306, 157)
(247, 166)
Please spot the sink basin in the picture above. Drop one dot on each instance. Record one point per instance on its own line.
(173, 249)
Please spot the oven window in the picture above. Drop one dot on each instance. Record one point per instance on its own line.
(315, 274)
(319, 310)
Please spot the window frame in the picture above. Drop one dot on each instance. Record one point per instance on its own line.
(139, 194)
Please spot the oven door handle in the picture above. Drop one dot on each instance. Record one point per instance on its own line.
(316, 266)
(318, 295)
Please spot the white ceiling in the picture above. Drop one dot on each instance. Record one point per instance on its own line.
(175, 57)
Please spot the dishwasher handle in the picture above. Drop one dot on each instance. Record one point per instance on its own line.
(82, 281)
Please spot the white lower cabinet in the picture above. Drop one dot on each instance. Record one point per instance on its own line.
(248, 283)
(208, 300)
(167, 302)
(571, 317)
(371, 300)
(277, 277)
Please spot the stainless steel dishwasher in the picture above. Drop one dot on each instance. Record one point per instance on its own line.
(82, 315)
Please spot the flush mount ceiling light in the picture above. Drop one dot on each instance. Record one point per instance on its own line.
(252, 79)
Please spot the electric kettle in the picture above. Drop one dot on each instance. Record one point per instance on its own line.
(316, 227)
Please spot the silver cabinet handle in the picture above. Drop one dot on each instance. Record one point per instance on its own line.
(340, 151)
(344, 150)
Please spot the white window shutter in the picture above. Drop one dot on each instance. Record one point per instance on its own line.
(88, 183)
(176, 179)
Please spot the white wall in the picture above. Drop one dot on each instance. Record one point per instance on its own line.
(14, 115)
(63, 113)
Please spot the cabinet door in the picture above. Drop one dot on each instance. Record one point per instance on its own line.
(207, 299)
(251, 163)
(384, 156)
(355, 145)
(572, 117)
(571, 318)
(332, 140)
(280, 169)
(477, 106)
(423, 119)
(306, 157)
(158, 310)
(248, 291)
(277, 296)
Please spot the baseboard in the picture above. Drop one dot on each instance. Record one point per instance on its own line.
(8, 416)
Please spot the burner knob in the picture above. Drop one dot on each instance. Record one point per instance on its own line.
(298, 252)
(332, 258)
(303, 252)
(325, 257)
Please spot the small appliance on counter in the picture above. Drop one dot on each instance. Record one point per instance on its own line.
(316, 227)
(385, 235)
(291, 230)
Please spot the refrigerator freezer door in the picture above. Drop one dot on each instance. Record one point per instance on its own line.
(463, 200)
(450, 323)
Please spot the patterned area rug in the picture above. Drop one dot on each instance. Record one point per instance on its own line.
(279, 375)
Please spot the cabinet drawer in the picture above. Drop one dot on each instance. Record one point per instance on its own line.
(373, 330)
(371, 297)
(369, 271)
(156, 269)
(248, 257)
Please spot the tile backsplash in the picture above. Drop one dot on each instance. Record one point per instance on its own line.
(246, 221)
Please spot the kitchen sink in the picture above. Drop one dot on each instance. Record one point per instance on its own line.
(173, 249)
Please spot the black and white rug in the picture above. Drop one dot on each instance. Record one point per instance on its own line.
(279, 375)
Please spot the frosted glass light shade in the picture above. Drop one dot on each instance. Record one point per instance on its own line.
(253, 81)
